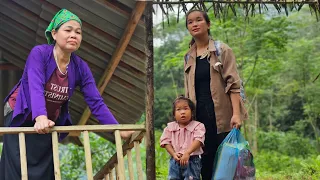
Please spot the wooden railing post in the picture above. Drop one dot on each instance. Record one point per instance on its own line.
(116, 170)
(111, 174)
(23, 157)
(55, 151)
(130, 164)
(87, 155)
(115, 163)
(138, 159)
(106, 177)
(120, 170)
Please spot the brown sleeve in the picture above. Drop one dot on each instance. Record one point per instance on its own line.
(185, 75)
(186, 92)
(229, 70)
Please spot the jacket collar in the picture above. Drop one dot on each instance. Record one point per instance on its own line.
(174, 126)
(211, 47)
(192, 52)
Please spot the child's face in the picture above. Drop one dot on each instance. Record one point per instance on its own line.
(183, 112)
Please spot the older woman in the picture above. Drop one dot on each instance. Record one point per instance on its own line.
(40, 99)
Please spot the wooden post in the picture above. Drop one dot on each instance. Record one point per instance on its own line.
(130, 164)
(23, 157)
(120, 165)
(138, 160)
(116, 169)
(87, 155)
(150, 148)
(55, 151)
(106, 177)
(111, 174)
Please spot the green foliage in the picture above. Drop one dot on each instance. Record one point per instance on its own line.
(163, 108)
(168, 78)
(162, 158)
(289, 144)
(72, 157)
(274, 165)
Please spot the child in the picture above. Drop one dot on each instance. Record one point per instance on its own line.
(183, 140)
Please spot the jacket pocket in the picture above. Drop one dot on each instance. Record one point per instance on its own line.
(218, 67)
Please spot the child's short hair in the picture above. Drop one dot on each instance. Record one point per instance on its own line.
(190, 103)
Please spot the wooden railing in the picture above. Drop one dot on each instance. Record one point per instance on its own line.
(114, 168)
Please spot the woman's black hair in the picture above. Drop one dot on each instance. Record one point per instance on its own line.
(205, 16)
(190, 104)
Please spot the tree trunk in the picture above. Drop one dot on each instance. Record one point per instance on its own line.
(150, 141)
(270, 113)
(174, 83)
(316, 132)
(256, 124)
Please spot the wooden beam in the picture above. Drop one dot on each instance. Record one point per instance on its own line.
(116, 56)
(239, 2)
(9, 66)
(75, 128)
(150, 147)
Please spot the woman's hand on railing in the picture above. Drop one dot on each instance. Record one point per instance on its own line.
(43, 124)
(126, 134)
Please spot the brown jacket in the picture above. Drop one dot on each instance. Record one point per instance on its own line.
(221, 86)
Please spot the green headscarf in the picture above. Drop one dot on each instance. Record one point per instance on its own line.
(60, 18)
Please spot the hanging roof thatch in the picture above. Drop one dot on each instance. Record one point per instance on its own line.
(221, 7)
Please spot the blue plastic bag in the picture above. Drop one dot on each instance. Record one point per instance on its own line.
(233, 159)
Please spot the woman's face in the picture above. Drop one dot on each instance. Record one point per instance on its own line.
(197, 25)
(68, 37)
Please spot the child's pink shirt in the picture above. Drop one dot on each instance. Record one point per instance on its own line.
(182, 138)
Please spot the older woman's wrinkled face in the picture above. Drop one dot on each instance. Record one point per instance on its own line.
(197, 24)
(69, 36)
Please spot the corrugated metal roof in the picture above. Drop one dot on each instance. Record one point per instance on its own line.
(23, 24)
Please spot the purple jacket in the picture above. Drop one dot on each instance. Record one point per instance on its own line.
(38, 69)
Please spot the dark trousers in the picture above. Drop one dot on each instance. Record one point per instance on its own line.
(206, 115)
(39, 155)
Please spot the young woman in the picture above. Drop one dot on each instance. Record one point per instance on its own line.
(212, 85)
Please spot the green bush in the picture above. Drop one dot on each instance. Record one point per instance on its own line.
(275, 165)
(269, 140)
(162, 158)
(289, 143)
